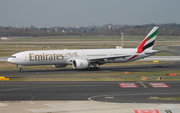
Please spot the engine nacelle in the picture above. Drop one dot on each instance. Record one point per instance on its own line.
(59, 66)
(80, 64)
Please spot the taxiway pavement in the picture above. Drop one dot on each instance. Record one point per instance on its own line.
(135, 68)
(89, 97)
(93, 91)
(80, 97)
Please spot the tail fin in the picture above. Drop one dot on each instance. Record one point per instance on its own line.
(148, 42)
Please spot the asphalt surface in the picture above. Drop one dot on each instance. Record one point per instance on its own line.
(96, 91)
(136, 68)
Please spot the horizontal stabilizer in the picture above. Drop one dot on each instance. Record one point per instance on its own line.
(152, 52)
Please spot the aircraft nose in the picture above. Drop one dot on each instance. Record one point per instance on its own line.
(9, 60)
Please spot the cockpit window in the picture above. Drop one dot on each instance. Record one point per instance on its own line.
(13, 56)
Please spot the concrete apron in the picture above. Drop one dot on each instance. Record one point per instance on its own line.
(82, 107)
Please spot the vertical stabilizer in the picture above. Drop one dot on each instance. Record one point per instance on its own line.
(148, 42)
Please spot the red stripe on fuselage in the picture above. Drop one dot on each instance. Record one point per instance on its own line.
(140, 48)
(133, 57)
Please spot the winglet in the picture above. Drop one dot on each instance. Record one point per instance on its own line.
(148, 42)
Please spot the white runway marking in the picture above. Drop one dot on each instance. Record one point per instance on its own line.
(158, 85)
(128, 85)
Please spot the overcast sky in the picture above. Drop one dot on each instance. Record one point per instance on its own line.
(48, 13)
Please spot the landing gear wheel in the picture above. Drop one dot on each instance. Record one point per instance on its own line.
(93, 68)
(21, 70)
(98, 68)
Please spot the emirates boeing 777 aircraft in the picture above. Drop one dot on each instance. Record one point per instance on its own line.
(86, 58)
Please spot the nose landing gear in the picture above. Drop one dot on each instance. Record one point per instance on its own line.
(21, 70)
(20, 66)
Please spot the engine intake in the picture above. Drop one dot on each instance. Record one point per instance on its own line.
(80, 64)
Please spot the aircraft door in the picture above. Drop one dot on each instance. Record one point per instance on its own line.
(83, 55)
(110, 54)
(25, 57)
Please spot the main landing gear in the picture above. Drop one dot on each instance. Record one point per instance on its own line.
(93, 68)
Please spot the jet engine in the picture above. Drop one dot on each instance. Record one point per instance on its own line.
(59, 66)
(80, 64)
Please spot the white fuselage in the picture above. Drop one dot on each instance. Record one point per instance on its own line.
(63, 57)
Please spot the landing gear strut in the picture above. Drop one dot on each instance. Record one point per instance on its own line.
(20, 66)
(21, 70)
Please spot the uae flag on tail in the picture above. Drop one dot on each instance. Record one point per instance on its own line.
(148, 42)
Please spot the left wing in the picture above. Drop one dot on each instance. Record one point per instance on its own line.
(101, 59)
(109, 57)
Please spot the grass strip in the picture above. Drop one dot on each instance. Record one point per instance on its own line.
(76, 79)
(114, 74)
(165, 98)
(88, 79)
(119, 76)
